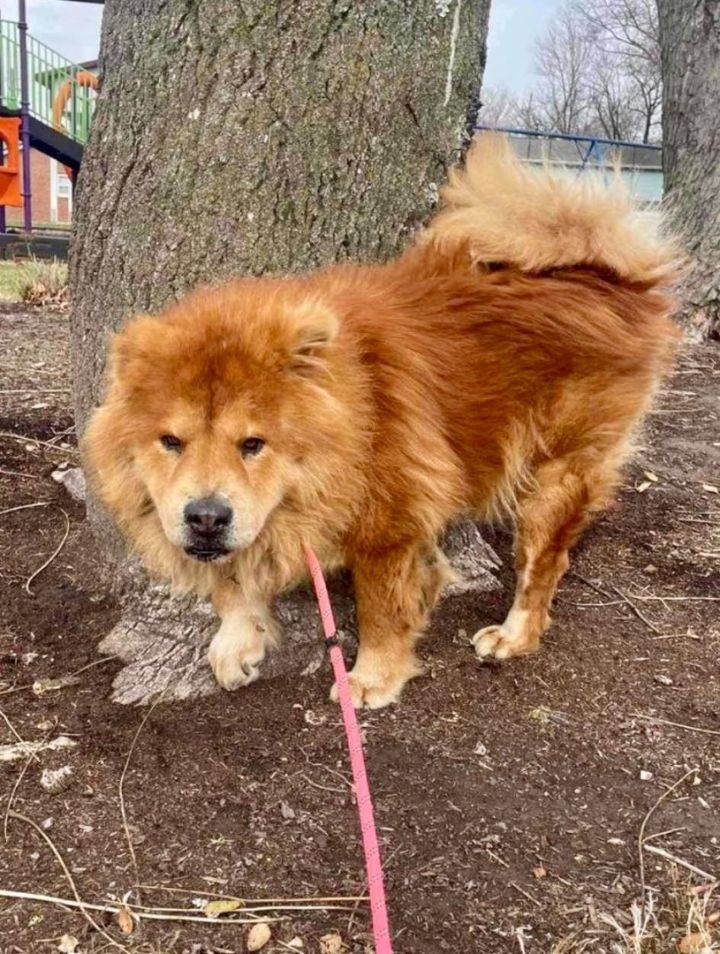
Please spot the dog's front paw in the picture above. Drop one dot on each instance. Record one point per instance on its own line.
(236, 663)
(495, 642)
(374, 683)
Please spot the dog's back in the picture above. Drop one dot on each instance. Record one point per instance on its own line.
(530, 321)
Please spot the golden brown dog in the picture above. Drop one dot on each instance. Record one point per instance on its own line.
(498, 368)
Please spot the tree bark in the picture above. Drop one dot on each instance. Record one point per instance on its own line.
(249, 137)
(690, 42)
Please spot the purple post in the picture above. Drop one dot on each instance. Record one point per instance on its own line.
(25, 117)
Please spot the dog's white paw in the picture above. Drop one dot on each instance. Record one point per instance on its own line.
(236, 661)
(375, 682)
(495, 642)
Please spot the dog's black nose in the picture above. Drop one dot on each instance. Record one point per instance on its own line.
(208, 515)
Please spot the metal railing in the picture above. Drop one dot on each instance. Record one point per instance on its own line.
(55, 84)
(640, 164)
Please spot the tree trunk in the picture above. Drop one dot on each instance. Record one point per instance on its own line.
(234, 138)
(690, 41)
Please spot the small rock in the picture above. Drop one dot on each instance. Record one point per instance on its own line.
(650, 568)
(663, 679)
(286, 811)
(645, 776)
(56, 780)
(258, 936)
(73, 480)
(296, 943)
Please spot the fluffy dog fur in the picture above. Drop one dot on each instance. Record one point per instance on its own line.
(497, 369)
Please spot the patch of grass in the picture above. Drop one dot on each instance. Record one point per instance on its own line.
(43, 282)
(687, 923)
(35, 281)
(9, 277)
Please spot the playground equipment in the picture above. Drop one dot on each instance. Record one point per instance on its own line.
(10, 168)
(640, 164)
(48, 102)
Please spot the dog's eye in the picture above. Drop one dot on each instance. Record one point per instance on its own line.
(170, 442)
(251, 446)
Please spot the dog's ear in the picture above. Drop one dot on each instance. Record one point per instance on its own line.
(132, 345)
(313, 328)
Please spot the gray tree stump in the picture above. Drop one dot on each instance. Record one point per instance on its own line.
(163, 640)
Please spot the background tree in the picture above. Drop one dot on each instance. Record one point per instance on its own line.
(690, 40)
(234, 138)
(598, 73)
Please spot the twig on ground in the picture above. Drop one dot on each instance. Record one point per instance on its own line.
(32, 757)
(249, 901)
(643, 826)
(593, 586)
(29, 685)
(121, 794)
(12, 728)
(678, 725)
(322, 788)
(85, 907)
(44, 503)
(680, 599)
(525, 894)
(24, 439)
(637, 612)
(656, 850)
(78, 901)
(16, 473)
(50, 559)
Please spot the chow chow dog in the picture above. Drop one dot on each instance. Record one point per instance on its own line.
(496, 369)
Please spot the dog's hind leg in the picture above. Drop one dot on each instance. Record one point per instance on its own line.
(395, 589)
(549, 521)
(247, 630)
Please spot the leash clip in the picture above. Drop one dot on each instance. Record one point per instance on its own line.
(331, 641)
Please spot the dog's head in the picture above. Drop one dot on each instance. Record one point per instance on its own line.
(215, 412)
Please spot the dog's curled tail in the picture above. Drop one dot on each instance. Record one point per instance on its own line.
(504, 212)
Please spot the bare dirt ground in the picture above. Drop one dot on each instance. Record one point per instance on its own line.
(510, 799)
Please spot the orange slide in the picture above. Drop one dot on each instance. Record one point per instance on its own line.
(10, 167)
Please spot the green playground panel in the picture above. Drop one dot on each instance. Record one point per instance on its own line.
(47, 71)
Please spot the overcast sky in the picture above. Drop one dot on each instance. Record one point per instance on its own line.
(73, 29)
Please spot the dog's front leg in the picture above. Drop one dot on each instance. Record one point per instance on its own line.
(247, 630)
(395, 589)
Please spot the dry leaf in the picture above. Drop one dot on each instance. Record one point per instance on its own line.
(41, 686)
(125, 921)
(539, 872)
(650, 476)
(213, 909)
(57, 780)
(258, 936)
(711, 488)
(696, 943)
(641, 488)
(68, 944)
(22, 750)
(331, 944)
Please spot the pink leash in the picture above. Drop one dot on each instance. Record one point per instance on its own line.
(373, 864)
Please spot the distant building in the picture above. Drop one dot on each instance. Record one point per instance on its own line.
(51, 194)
